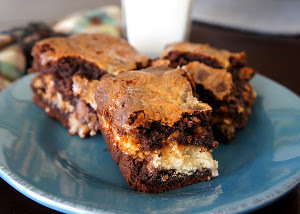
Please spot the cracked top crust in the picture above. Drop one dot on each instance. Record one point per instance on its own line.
(156, 94)
(218, 81)
(223, 57)
(108, 53)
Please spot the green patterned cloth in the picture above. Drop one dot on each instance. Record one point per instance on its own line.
(16, 43)
(101, 20)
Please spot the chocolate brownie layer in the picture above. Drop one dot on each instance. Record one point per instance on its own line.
(103, 51)
(138, 177)
(74, 65)
(222, 81)
(153, 105)
(75, 114)
(231, 99)
(182, 53)
(155, 128)
(52, 110)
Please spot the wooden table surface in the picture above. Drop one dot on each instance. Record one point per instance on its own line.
(274, 57)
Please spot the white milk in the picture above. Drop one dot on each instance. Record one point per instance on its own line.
(153, 24)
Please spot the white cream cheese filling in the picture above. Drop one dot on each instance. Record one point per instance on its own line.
(56, 99)
(185, 159)
(86, 89)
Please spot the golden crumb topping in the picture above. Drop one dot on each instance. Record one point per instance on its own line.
(108, 53)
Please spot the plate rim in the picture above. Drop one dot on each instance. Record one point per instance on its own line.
(60, 204)
(55, 202)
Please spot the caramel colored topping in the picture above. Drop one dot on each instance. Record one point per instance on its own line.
(222, 56)
(160, 62)
(108, 53)
(218, 81)
(153, 94)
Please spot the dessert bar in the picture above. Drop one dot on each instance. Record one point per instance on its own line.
(69, 70)
(222, 81)
(156, 130)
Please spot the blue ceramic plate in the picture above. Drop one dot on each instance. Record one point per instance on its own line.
(40, 159)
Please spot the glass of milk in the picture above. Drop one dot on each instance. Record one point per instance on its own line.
(153, 24)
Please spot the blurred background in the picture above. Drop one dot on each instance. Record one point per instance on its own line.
(268, 30)
(265, 16)
(16, 12)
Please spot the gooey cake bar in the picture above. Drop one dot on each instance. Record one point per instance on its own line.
(156, 130)
(69, 70)
(222, 81)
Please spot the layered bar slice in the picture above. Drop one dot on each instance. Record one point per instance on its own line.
(222, 81)
(69, 70)
(156, 130)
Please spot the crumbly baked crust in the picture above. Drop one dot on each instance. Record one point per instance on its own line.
(138, 177)
(222, 81)
(154, 102)
(105, 52)
(73, 66)
(182, 52)
(142, 114)
(52, 110)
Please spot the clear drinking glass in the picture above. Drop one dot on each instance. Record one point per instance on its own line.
(153, 24)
